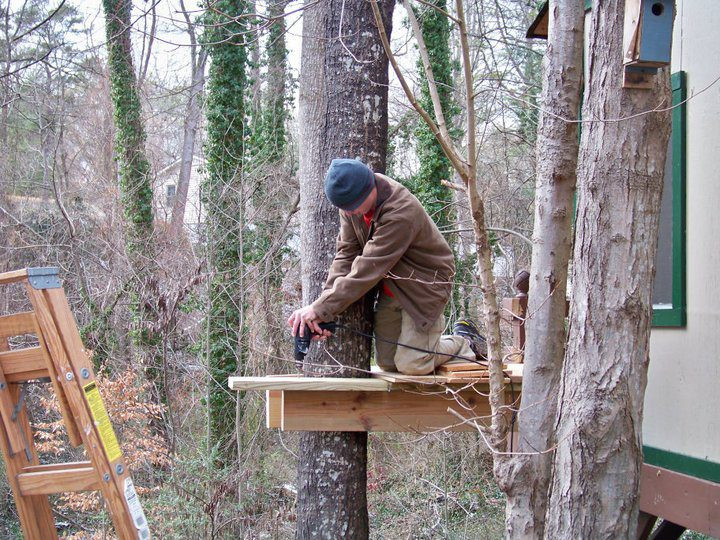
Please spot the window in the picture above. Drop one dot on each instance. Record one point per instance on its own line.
(669, 287)
(169, 195)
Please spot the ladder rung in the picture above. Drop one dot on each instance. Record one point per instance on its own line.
(14, 276)
(17, 324)
(23, 364)
(47, 482)
(57, 466)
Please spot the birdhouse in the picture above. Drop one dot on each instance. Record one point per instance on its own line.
(647, 37)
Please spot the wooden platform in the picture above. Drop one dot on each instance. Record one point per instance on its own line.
(385, 401)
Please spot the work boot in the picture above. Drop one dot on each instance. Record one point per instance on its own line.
(470, 332)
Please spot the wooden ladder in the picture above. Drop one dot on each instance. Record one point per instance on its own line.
(60, 359)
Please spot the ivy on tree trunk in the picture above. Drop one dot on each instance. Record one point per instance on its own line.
(133, 166)
(222, 198)
(434, 164)
(135, 181)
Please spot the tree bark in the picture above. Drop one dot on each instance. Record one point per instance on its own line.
(343, 113)
(193, 114)
(134, 168)
(557, 148)
(598, 459)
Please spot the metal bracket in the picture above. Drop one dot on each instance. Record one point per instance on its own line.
(44, 278)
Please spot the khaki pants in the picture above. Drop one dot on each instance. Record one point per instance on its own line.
(393, 323)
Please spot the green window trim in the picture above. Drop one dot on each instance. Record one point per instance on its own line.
(699, 468)
(675, 316)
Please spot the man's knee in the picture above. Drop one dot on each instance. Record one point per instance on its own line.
(415, 366)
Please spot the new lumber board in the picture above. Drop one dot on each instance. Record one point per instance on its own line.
(419, 412)
(454, 366)
(320, 384)
(273, 408)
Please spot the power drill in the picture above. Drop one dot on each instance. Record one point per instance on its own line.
(302, 343)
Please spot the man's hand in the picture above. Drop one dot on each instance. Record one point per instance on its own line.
(303, 316)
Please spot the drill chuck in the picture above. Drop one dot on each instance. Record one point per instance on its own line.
(302, 343)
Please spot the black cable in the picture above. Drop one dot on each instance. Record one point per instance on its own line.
(420, 349)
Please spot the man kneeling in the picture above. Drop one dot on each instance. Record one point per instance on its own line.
(387, 238)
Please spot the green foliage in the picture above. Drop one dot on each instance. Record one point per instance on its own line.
(222, 197)
(270, 137)
(133, 166)
(434, 165)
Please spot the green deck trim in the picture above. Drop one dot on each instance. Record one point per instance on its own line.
(676, 315)
(699, 468)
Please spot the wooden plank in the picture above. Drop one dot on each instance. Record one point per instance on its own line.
(458, 365)
(273, 408)
(682, 499)
(378, 411)
(59, 329)
(58, 481)
(17, 324)
(399, 378)
(13, 276)
(56, 466)
(483, 374)
(23, 364)
(307, 383)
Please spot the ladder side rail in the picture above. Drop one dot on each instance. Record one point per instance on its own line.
(12, 428)
(71, 427)
(75, 372)
(35, 513)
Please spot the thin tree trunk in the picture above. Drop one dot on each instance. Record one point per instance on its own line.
(343, 113)
(193, 114)
(557, 147)
(620, 176)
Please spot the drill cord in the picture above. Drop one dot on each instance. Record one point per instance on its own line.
(420, 349)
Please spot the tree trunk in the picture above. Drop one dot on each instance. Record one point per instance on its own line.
(134, 168)
(193, 113)
(557, 147)
(222, 197)
(620, 176)
(343, 113)
(136, 189)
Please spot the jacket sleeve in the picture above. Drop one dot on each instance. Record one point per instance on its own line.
(347, 248)
(389, 243)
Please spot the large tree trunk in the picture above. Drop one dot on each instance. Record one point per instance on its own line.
(343, 113)
(557, 148)
(620, 177)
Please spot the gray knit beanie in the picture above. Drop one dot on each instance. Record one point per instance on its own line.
(348, 182)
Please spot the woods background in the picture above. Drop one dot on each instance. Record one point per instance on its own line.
(154, 153)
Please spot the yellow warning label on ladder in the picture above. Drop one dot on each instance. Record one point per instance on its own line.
(102, 421)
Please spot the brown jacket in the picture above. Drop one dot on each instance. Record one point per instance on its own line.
(402, 245)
